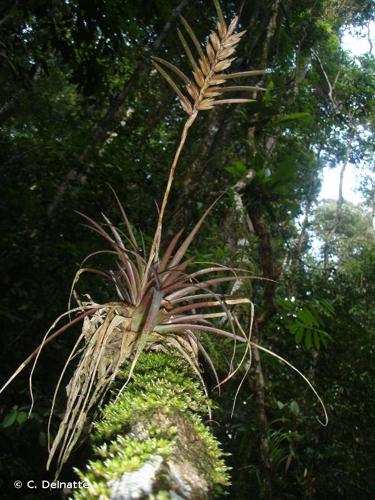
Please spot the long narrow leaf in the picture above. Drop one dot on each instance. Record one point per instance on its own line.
(185, 245)
(188, 52)
(280, 358)
(208, 359)
(242, 88)
(194, 39)
(199, 286)
(242, 74)
(199, 328)
(49, 339)
(200, 305)
(169, 80)
(126, 220)
(195, 297)
(174, 68)
(232, 101)
(168, 252)
(153, 312)
(219, 12)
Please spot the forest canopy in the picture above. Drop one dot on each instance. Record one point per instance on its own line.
(84, 112)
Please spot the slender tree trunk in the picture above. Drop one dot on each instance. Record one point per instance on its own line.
(305, 224)
(262, 419)
(339, 205)
(269, 308)
(271, 30)
(255, 223)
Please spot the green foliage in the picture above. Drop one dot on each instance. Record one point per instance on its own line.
(306, 320)
(353, 232)
(290, 117)
(78, 93)
(237, 169)
(162, 385)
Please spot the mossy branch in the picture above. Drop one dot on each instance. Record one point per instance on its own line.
(152, 439)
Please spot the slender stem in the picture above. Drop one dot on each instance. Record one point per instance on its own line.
(154, 252)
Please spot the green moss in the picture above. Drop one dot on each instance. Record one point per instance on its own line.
(162, 405)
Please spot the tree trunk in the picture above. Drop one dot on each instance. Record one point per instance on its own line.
(339, 205)
(257, 224)
(151, 442)
(263, 424)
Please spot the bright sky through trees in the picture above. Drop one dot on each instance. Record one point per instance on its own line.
(357, 44)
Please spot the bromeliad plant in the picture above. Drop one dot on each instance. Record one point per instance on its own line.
(158, 307)
(158, 304)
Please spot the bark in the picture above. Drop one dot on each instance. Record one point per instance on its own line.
(269, 308)
(339, 205)
(271, 30)
(267, 264)
(113, 111)
(152, 440)
(305, 224)
(262, 419)
(256, 223)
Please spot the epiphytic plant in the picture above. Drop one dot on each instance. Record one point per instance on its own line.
(158, 304)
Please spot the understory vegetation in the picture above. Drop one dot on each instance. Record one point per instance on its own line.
(203, 141)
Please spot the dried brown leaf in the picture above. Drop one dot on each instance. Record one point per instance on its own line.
(233, 101)
(204, 66)
(219, 12)
(215, 40)
(194, 39)
(193, 91)
(222, 29)
(169, 80)
(186, 106)
(198, 77)
(205, 104)
(216, 81)
(242, 74)
(173, 68)
(232, 26)
(211, 93)
(224, 54)
(188, 51)
(242, 88)
(210, 52)
(233, 40)
(222, 65)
